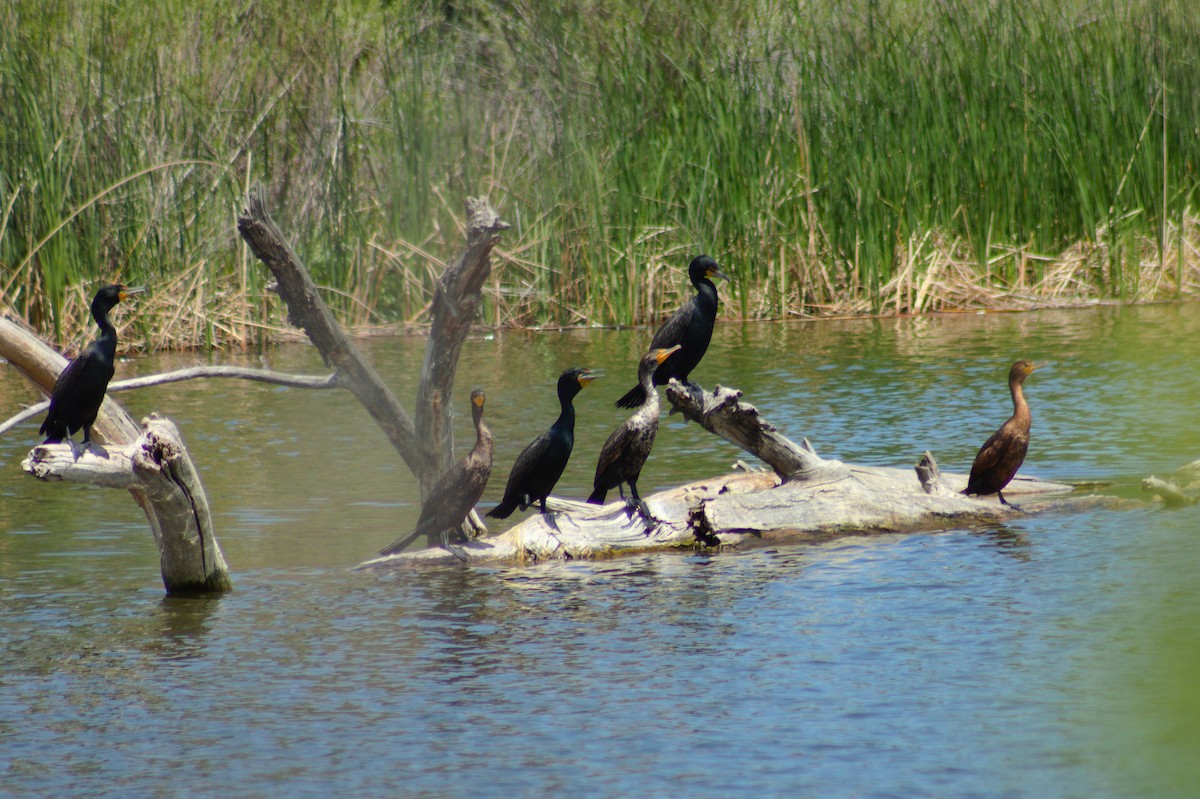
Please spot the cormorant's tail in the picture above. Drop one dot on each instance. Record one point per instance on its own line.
(633, 398)
(597, 497)
(400, 544)
(503, 510)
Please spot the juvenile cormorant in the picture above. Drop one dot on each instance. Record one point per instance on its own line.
(690, 327)
(456, 491)
(626, 450)
(539, 466)
(79, 390)
(1002, 454)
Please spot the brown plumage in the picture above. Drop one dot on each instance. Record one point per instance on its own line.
(1002, 454)
(456, 491)
(625, 452)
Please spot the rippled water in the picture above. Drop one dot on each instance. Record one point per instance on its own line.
(1049, 656)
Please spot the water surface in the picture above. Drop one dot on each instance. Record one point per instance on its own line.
(1047, 656)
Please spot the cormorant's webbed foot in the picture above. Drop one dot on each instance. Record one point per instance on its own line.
(452, 546)
(639, 505)
(1004, 501)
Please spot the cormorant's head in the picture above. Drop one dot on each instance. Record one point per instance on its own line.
(478, 398)
(1020, 370)
(703, 266)
(108, 296)
(574, 379)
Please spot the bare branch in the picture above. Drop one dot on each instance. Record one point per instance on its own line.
(307, 310)
(193, 373)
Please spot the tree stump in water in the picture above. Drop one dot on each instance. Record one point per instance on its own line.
(803, 497)
(150, 462)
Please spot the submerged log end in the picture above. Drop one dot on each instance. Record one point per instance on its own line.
(1171, 494)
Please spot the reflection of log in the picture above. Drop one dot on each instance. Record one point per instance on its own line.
(152, 464)
(818, 499)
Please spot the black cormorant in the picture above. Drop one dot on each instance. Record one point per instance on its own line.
(626, 450)
(539, 466)
(690, 327)
(456, 491)
(79, 390)
(1002, 454)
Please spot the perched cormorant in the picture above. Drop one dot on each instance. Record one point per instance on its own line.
(456, 491)
(539, 466)
(79, 390)
(1002, 454)
(626, 450)
(690, 327)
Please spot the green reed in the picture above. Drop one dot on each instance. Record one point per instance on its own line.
(618, 140)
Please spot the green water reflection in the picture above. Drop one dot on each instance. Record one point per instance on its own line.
(1071, 639)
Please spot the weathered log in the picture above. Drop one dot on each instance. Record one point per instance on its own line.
(804, 497)
(149, 461)
(426, 445)
(157, 467)
(455, 305)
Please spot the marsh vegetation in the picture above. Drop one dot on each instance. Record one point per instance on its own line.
(880, 156)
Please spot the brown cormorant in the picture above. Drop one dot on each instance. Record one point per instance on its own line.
(626, 450)
(539, 466)
(690, 327)
(79, 390)
(456, 491)
(1002, 454)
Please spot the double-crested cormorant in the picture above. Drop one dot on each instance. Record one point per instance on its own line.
(626, 450)
(690, 327)
(79, 390)
(456, 491)
(539, 466)
(1002, 454)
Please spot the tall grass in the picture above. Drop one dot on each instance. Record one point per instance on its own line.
(831, 156)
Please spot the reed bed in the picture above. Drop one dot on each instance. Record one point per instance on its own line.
(882, 156)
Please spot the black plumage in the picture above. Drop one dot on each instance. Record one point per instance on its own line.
(1001, 455)
(540, 465)
(456, 491)
(690, 327)
(625, 452)
(79, 391)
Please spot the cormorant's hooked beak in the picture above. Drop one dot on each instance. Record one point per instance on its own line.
(712, 271)
(126, 293)
(588, 375)
(662, 355)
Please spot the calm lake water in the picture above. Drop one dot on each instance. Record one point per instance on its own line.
(1049, 656)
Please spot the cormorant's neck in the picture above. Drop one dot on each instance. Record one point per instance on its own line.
(706, 292)
(108, 333)
(1020, 406)
(566, 417)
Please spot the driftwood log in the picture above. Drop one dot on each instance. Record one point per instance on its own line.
(802, 497)
(150, 461)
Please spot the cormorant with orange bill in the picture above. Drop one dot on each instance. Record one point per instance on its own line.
(79, 391)
(1002, 454)
(538, 467)
(456, 491)
(690, 327)
(625, 452)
